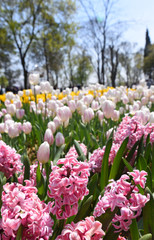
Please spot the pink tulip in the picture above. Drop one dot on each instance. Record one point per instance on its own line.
(43, 153)
(48, 136)
(60, 140)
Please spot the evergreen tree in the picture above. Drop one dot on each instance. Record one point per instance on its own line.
(147, 44)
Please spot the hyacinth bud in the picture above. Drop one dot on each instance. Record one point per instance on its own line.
(34, 78)
(11, 109)
(20, 113)
(27, 127)
(60, 140)
(43, 153)
(52, 126)
(48, 136)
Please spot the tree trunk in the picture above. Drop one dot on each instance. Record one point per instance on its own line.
(25, 72)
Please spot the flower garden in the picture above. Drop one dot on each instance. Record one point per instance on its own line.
(77, 164)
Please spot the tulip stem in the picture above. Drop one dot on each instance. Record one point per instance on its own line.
(35, 98)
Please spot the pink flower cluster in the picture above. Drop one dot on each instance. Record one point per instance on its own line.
(129, 127)
(124, 195)
(72, 151)
(96, 158)
(21, 206)
(33, 169)
(9, 160)
(68, 185)
(87, 229)
(149, 129)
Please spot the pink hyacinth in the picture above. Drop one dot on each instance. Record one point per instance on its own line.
(96, 157)
(87, 229)
(68, 185)
(21, 206)
(125, 196)
(121, 238)
(129, 127)
(9, 160)
(149, 129)
(32, 178)
(139, 177)
(72, 151)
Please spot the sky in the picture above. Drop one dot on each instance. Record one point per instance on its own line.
(140, 14)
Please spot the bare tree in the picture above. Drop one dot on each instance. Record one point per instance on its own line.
(98, 30)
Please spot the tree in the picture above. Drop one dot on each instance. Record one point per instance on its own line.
(51, 45)
(147, 44)
(20, 18)
(149, 63)
(84, 69)
(98, 31)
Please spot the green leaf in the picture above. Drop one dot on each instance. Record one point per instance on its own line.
(146, 237)
(149, 178)
(107, 217)
(147, 152)
(19, 233)
(142, 163)
(134, 230)
(117, 160)
(127, 164)
(132, 151)
(58, 154)
(84, 210)
(92, 183)
(110, 233)
(27, 167)
(152, 167)
(79, 151)
(148, 214)
(105, 165)
(40, 183)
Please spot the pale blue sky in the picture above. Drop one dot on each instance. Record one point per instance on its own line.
(142, 13)
(139, 15)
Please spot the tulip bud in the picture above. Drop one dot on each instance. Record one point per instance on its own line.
(57, 122)
(52, 126)
(43, 153)
(115, 115)
(88, 115)
(48, 136)
(34, 78)
(20, 113)
(27, 127)
(108, 108)
(60, 140)
(11, 109)
(13, 131)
